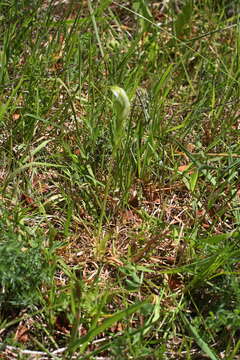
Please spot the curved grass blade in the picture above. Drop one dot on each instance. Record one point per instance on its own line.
(107, 324)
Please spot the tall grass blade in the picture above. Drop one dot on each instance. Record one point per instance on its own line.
(201, 343)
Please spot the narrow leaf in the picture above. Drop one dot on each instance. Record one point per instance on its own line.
(201, 343)
(108, 323)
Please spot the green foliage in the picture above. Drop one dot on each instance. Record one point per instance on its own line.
(23, 267)
(144, 15)
(183, 19)
(119, 178)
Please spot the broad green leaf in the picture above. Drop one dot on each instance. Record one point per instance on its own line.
(193, 180)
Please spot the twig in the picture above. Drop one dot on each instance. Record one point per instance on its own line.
(149, 244)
